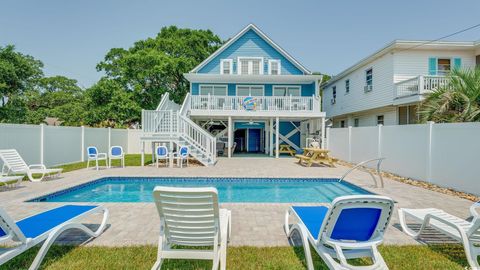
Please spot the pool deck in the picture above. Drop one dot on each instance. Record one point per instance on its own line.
(253, 224)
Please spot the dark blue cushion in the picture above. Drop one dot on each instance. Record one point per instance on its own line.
(36, 225)
(312, 217)
(116, 151)
(2, 233)
(161, 151)
(356, 224)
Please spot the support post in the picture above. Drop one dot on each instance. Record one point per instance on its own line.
(277, 133)
(328, 139)
(267, 138)
(323, 137)
(429, 151)
(82, 146)
(42, 142)
(229, 141)
(271, 137)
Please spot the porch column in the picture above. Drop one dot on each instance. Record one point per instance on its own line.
(266, 138)
(229, 142)
(270, 148)
(142, 150)
(277, 132)
(323, 137)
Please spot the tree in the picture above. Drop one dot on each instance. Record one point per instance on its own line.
(458, 101)
(156, 65)
(18, 72)
(108, 104)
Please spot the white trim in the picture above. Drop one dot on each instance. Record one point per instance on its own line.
(212, 85)
(250, 90)
(234, 78)
(279, 62)
(262, 35)
(250, 66)
(286, 86)
(222, 61)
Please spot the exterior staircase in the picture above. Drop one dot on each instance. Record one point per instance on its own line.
(170, 123)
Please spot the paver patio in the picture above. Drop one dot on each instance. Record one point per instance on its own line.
(256, 224)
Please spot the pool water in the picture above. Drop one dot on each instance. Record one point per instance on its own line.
(238, 190)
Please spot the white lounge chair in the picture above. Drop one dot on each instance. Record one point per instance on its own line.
(182, 156)
(10, 181)
(116, 152)
(13, 164)
(467, 233)
(161, 152)
(44, 227)
(190, 217)
(352, 227)
(94, 155)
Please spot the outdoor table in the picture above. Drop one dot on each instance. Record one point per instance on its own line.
(316, 155)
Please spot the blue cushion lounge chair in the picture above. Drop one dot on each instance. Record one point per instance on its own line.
(352, 227)
(45, 226)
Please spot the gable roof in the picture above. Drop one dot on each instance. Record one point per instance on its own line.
(264, 37)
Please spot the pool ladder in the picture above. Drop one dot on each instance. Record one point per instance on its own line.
(361, 166)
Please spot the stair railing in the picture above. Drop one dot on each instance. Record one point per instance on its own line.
(198, 137)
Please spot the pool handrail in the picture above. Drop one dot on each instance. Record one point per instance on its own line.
(362, 166)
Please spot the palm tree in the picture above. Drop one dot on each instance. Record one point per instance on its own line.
(458, 101)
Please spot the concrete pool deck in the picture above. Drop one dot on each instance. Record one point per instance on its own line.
(253, 224)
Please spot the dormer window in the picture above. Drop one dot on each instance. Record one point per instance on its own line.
(274, 67)
(226, 66)
(250, 65)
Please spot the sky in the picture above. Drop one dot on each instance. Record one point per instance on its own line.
(71, 37)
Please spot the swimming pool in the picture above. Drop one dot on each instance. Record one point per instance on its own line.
(238, 190)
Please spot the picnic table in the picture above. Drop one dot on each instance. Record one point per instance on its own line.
(286, 149)
(316, 155)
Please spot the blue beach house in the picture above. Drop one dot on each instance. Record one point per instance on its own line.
(249, 96)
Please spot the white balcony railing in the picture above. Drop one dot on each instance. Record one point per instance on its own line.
(419, 85)
(263, 104)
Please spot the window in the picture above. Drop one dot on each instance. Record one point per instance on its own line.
(407, 115)
(334, 92)
(250, 66)
(342, 123)
(214, 90)
(250, 90)
(444, 66)
(347, 86)
(274, 67)
(380, 120)
(284, 91)
(226, 66)
(369, 77)
(356, 122)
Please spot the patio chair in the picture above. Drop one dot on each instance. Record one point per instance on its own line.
(182, 156)
(116, 153)
(465, 232)
(162, 153)
(352, 227)
(10, 181)
(190, 217)
(13, 164)
(44, 227)
(94, 155)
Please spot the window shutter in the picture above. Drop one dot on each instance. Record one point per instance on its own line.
(432, 66)
(457, 63)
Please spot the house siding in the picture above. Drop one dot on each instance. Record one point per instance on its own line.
(250, 45)
(306, 89)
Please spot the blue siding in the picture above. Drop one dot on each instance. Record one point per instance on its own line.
(250, 45)
(306, 89)
(285, 128)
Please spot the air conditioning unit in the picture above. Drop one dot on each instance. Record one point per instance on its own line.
(332, 101)
(368, 88)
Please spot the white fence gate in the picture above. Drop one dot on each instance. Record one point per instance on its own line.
(442, 154)
(52, 145)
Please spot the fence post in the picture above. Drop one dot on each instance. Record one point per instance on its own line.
(109, 139)
(42, 142)
(82, 146)
(349, 143)
(429, 151)
(327, 138)
(379, 145)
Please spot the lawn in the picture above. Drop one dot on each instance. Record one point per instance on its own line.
(130, 160)
(143, 257)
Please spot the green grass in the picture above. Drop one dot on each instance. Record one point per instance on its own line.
(130, 160)
(143, 257)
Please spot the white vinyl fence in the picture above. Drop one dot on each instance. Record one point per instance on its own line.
(442, 154)
(52, 145)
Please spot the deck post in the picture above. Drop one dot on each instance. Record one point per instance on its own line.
(322, 141)
(229, 141)
(266, 138)
(271, 137)
(277, 133)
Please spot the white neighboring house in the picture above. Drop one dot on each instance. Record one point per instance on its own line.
(386, 87)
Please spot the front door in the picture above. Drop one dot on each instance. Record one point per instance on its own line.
(254, 140)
